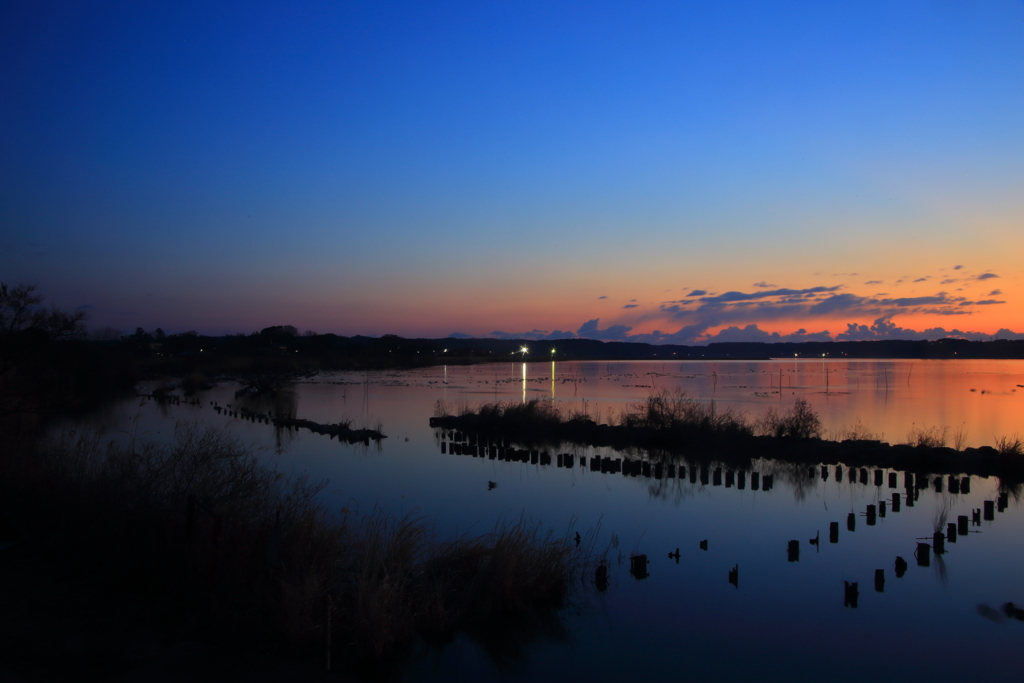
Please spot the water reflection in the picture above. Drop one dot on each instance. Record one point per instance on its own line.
(658, 501)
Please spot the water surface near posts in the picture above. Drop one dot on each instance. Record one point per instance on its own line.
(630, 621)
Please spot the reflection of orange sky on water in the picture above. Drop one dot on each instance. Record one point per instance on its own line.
(888, 398)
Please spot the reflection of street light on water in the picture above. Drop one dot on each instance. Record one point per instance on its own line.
(552, 373)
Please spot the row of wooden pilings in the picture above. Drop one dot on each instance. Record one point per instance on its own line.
(953, 483)
(608, 465)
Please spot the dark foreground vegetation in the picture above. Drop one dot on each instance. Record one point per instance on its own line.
(221, 541)
(218, 546)
(673, 423)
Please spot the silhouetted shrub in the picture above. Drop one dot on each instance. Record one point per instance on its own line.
(801, 422)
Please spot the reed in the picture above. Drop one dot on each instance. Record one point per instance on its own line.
(675, 410)
(203, 525)
(929, 437)
(801, 422)
(1010, 445)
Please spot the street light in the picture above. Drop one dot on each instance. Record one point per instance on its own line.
(523, 350)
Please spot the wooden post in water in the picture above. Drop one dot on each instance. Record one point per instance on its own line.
(879, 580)
(833, 532)
(895, 502)
(892, 480)
(638, 566)
(990, 510)
(850, 594)
(961, 525)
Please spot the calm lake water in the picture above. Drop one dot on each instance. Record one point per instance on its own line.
(785, 618)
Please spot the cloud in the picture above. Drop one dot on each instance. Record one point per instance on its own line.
(884, 328)
(733, 297)
(987, 276)
(873, 282)
(752, 333)
(837, 302)
(535, 335)
(459, 335)
(741, 315)
(922, 279)
(602, 297)
(591, 330)
(763, 285)
(995, 292)
(957, 267)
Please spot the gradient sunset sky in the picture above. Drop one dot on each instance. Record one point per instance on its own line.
(667, 172)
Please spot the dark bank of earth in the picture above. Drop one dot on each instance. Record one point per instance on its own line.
(739, 449)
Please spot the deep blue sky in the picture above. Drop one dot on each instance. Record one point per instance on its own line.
(423, 169)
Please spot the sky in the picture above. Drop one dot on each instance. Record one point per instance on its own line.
(678, 172)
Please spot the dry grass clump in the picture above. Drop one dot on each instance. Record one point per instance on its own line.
(801, 422)
(1010, 445)
(531, 415)
(674, 410)
(857, 432)
(928, 437)
(202, 524)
